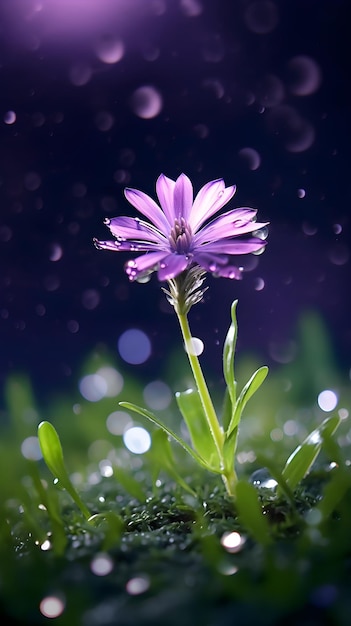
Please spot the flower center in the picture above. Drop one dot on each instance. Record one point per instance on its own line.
(181, 237)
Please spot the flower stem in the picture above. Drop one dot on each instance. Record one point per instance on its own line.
(202, 389)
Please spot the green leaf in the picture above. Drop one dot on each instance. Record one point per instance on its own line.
(301, 460)
(112, 525)
(151, 417)
(229, 448)
(51, 449)
(162, 458)
(228, 357)
(250, 512)
(190, 406)
(247, 392)
(129, 483)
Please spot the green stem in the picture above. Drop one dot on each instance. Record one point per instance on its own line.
(202, 389)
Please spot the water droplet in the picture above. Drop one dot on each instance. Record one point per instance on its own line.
(194, 346)
(262, 478)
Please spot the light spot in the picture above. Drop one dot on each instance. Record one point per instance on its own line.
(102, 564)
(136, 586)
(80, 74)
(337, 228)
(10, 117)
(157, 395)
(93, 387)
(301, 193)
(118, 421)
(32, 181)
(114, 380)
(146, 102)
(194, 346)
(291, 428)
(259, 284)
(46, 545)
(73, 326)
(104, 121)
(191, 8)
(56, 252)
(51, 606)
(134, 346)
(270, 91)
(232, 541)
(90, 299)
(261, 17)
(304, 75)
(109, 49)
(137, 440)
(250, 157)
(339, 254)
(30, 449)
(327, 400)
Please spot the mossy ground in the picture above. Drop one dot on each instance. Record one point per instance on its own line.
(170, 547)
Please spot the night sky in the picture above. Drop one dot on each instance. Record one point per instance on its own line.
(97, 95)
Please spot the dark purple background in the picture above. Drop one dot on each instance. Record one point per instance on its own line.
(61, 174)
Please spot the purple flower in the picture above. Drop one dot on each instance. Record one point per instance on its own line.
(179, 235)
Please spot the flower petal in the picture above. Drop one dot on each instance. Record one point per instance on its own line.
(236, 246)
(128, 246)
(148, 207)
(229, 271)
(136, 267)
(165, 193)
(183, 197)
(210, 199)
(210, 262)
(232, 224)
(133, 228)
(172, 265)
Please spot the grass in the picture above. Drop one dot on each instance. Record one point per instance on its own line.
(157, 539)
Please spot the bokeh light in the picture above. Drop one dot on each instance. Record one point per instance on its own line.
(102, 564)
(30, 449)
(137, 440)
(157, 395)
(52, 606)
(134, 346)
(327, 400)
(146, 102)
